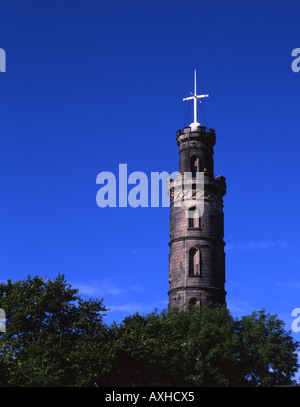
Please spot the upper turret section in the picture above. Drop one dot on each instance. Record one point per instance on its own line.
(196, 149)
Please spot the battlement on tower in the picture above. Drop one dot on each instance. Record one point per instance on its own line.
(200, 129)
(189, 138)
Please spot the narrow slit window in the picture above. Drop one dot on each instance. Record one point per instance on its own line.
(194, 262)
(194, 219)
(195, 166)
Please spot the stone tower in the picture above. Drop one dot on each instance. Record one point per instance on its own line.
(197, 258)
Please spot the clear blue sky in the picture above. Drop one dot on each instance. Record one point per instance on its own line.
(92, 84)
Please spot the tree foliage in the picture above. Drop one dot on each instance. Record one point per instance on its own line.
(55, 338)
(49, 328)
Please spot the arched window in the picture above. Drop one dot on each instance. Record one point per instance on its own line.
(195, 165)
(194, 301)
(194, 262)
(194, 218)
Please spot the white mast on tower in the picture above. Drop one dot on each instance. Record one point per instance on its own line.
(194, 96)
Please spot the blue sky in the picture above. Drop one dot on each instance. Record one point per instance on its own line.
(93, 84)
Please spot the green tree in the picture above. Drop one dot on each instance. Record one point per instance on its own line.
(200, 347)
(55, 338)
(266, 350)
(50, 329)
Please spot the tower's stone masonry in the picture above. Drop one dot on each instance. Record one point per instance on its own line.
(197, 258)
